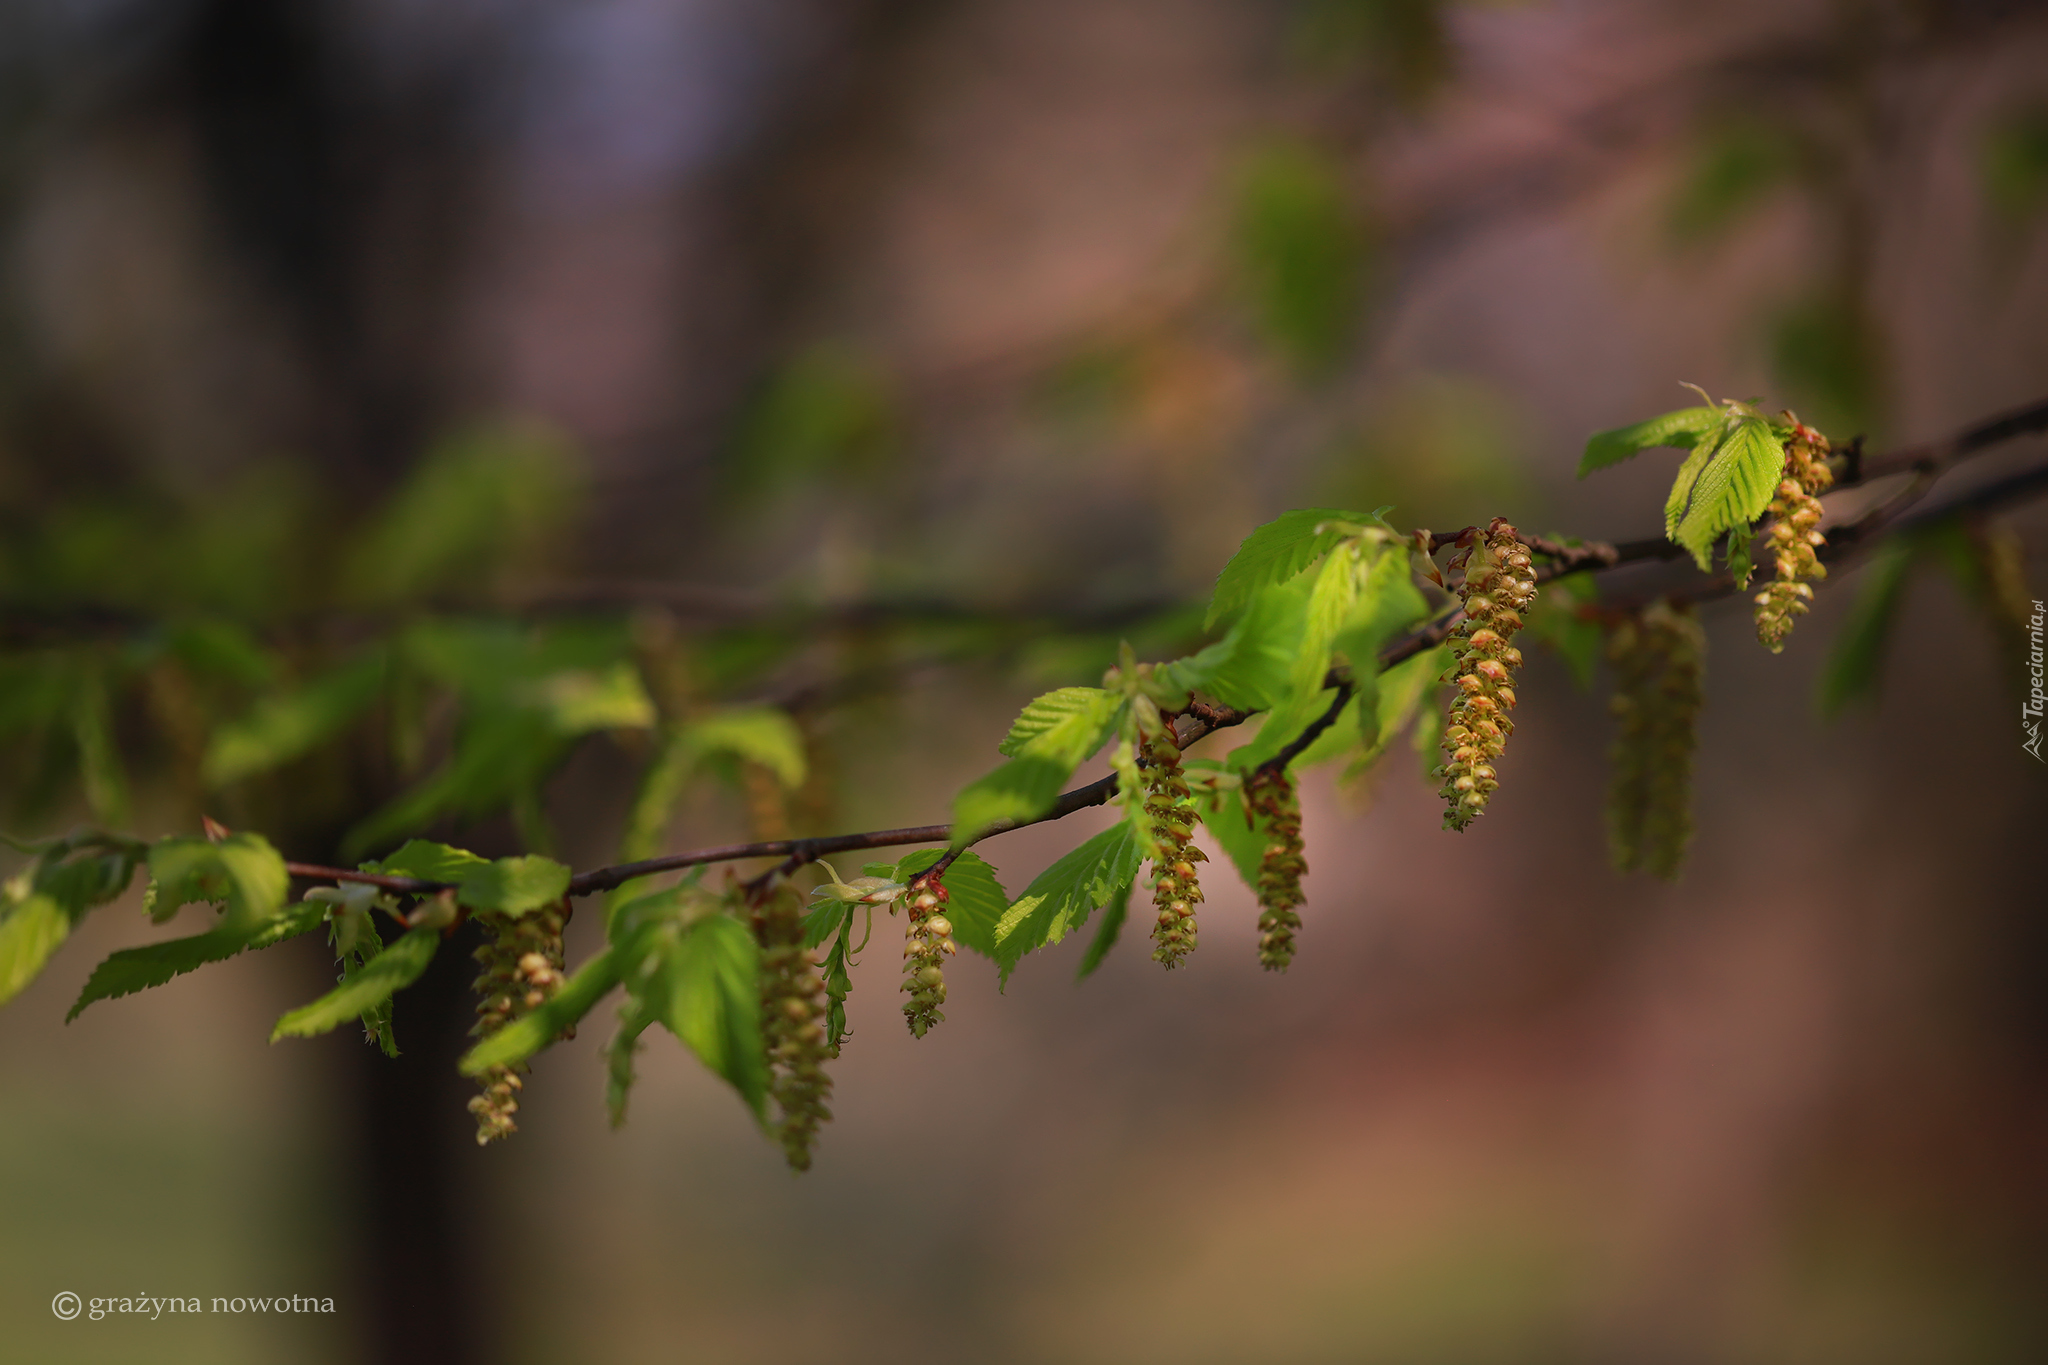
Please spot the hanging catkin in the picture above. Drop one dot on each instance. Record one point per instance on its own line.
(928, 942)
(1794, 541)
(522, 967)
(792, 1025)
(1276, 808)
(1499, 585)
(1175, 889)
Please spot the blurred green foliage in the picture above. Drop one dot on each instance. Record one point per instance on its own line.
(1826, 356)
(1435, 447)
(1405, 44)
(1301, 251)
(828, 413)
(2015, 162)
(1734, 168)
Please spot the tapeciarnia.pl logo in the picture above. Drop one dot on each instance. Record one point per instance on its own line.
(2037, 699)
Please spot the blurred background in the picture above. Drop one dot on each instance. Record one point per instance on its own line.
(887, 361)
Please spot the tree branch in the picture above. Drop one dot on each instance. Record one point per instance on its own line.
(1926, 462)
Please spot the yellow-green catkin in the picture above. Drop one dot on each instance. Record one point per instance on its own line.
(792, 1025)
(522, 967)
(1175, 889)
(1659, 658)
(1276, 808)
(1794, 539)
(1499, 585)
(927, 943)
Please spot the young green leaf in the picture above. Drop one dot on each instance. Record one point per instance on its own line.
(532, 1032)
(1250, 666)
(70, 876)
(1725, 484)
(1681, 429)
(1229, 822)
(634, 1020)
(1107, 931)
(513, 886)
(1073, 712)
(137, 969)
(1329, 607)
(1061, 898)
(242, 873)
(32, 929)
(391, 971)
(1016, 793)
(1279, 550)
(430, 862)
(757, 734)
(975, 899)
(708, 994)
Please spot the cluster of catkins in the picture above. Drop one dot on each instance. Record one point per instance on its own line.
(1499, 585)
(927, 943)
(1658, 656)
(1794, 541)
(522, 967)
(1276, 808)
(792, 1025)
(1175, 890)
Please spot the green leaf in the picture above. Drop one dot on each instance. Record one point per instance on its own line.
(1063, 736)
(1283, 725)
(532, 1032)
(137, 969)
(1226, 817)
(707, 991)
(242, 873)
(1329, 607)
(31, 931)
(40, 906)
(514, 886)
(1017, 793)
(1061, 898)
(1853, 664)
(391, 971)
(1556, 622)
(634, 1020)
(758, 734)
(1084, 709)
(1250, 666)
(1276, 552)
(1681, 429)
(1106, 932)
(1404, 693)
(428, 861)
(824, 917)
(284, 727)
(1736, 555)
(975, 900)
(1389, 605)
(1724, 484)
(579, 701)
